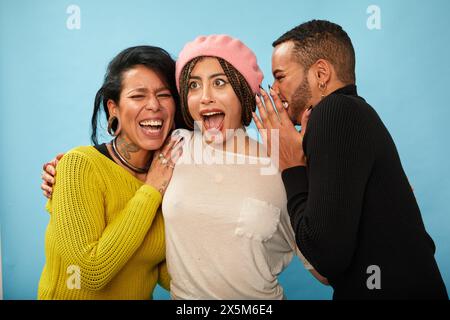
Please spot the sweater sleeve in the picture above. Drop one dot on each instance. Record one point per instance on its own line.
(325, 200)
(163, 276)
(83, 236)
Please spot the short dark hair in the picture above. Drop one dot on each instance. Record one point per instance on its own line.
(154, 58)
(321, 39)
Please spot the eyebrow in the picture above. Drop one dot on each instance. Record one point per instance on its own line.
(274, 72)
(210, 77)
(145, 90)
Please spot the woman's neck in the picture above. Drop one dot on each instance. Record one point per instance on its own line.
(132, 154)
(239, 142)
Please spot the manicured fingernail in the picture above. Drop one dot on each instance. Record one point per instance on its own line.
(177, 143)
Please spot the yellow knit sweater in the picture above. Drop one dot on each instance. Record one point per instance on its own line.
(105, 238)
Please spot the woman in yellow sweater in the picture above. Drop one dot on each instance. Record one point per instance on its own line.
(105, 238)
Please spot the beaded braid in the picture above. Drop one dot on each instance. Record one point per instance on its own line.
(237, 81)
(242, 90)
(184, 90)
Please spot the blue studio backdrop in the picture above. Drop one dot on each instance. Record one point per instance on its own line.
(53, 55)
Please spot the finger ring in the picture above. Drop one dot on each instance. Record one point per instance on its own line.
(164, 161)
(161, 156)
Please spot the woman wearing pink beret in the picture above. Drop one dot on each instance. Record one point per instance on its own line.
(228, 236)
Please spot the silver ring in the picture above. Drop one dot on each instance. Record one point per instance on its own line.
(164, 161)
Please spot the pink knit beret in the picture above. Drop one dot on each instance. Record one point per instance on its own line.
(223, 46)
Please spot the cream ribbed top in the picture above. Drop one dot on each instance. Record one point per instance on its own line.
(228, 232)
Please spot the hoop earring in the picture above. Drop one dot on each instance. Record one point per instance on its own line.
(110, 125)
(322, 87)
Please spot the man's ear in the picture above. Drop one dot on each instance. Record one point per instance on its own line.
(322, 71)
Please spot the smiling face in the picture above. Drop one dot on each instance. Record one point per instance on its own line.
(145, 110)
(211, 98)
(291, 81)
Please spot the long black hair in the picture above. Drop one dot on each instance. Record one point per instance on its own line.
(154, 58)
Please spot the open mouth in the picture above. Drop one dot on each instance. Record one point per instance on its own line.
(213, 120)
(152, 126)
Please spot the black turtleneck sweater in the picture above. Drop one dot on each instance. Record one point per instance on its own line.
(353, 211)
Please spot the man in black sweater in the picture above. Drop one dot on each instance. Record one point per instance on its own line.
(353, 211)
